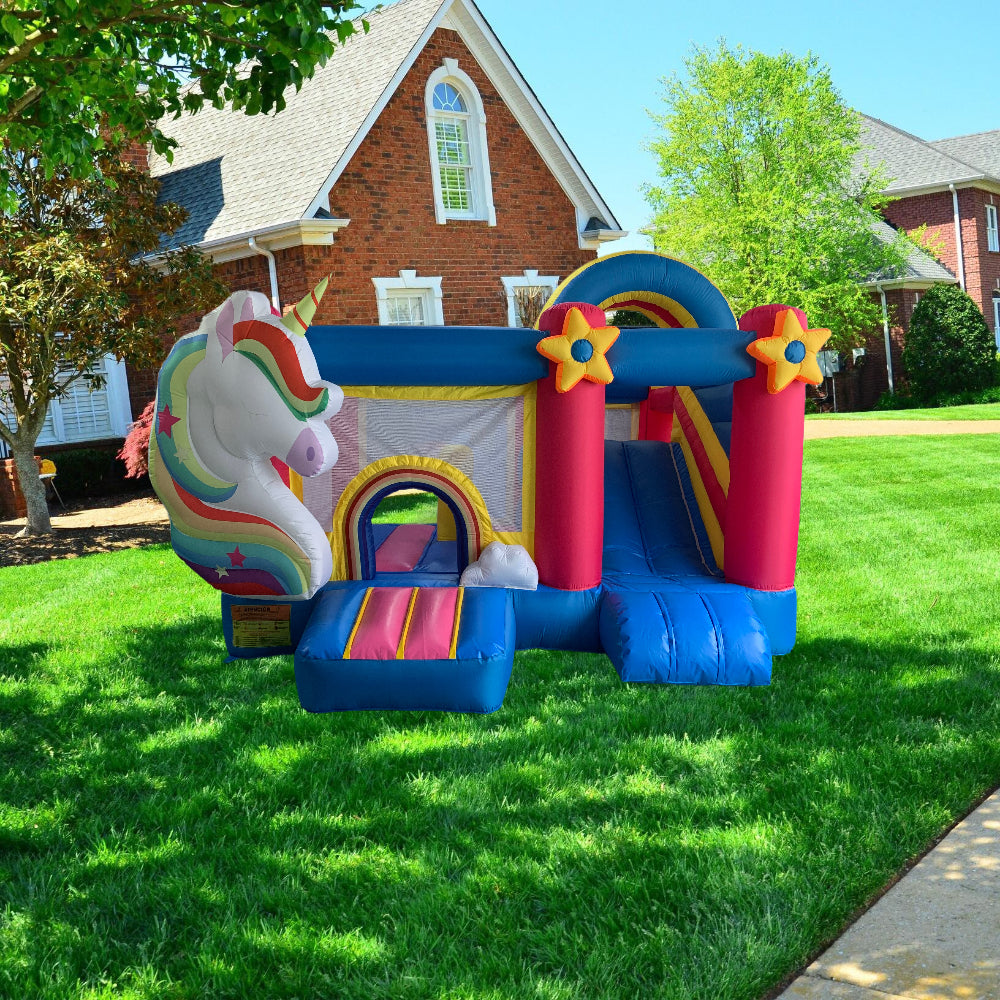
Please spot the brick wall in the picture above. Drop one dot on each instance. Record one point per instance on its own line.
(982, 266)
(861, 383)
(137, 154)
(11, 500)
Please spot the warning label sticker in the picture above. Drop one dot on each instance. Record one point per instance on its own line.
(256, 625)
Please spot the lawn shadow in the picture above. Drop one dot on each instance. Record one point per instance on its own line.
(22, 661)
(210, 829)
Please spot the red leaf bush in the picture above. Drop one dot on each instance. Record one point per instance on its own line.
(135, 450)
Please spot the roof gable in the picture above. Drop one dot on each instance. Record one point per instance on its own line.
(918, 268)
(237, 175)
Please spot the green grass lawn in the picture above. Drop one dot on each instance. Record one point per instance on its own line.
(977, 411)
(173, 826)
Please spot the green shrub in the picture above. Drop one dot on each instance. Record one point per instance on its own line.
(897, 401)
(88, 472)
(949, 348)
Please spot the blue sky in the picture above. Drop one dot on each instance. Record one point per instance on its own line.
(596, 68)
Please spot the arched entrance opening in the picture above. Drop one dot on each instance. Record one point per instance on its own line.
(353, 539)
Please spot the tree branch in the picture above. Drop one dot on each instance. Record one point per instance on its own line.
(24, 101)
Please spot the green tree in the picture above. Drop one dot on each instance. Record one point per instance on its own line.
(949, 348)
(69, 68)
(763, 187)
(74, 286)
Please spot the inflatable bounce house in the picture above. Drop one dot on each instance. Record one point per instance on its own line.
(630, 491)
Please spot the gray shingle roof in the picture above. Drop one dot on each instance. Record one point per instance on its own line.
(920, 265)
(238, 174)
(982, 150)
(910, 161)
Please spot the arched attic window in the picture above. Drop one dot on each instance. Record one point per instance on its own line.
(456, 133)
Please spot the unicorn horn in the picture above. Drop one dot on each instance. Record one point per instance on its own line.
(300, 317)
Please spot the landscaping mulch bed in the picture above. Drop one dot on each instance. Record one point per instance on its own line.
(87, 527)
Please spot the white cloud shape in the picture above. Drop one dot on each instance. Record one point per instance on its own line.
(502, 565)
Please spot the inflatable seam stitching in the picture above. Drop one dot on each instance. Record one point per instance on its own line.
(687, 507)
(638, 511)
(671, 634)
(721, 644)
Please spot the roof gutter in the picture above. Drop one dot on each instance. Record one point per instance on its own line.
(958, 236)
(272, 272)
(297, 233)
(888, 340)
(591, 239)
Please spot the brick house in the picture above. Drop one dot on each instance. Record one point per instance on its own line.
(417, 168)
(951, 186)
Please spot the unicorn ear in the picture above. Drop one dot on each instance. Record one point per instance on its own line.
(224, 327)
(246, 313)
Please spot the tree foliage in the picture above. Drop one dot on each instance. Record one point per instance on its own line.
(70, 67)
(949, 348)
(74, 286)
(762, 187)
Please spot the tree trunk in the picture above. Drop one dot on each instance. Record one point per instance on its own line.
(23, 453)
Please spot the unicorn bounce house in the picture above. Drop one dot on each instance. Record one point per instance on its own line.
(634, 492)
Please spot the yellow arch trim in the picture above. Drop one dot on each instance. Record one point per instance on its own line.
(411, 466)
(672, 306)
(717, 456)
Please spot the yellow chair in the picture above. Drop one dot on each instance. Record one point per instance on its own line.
(47, 474)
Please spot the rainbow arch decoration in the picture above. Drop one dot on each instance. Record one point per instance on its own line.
(351, 537)
(666, 540)
(665, 290)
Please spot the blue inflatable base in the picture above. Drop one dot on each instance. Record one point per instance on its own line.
(474, 681)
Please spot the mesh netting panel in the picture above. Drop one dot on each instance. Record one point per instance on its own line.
(483, 438)
(618, 424)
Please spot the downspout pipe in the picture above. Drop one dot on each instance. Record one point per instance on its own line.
(272, 272)
(958, 236)
(888, 339)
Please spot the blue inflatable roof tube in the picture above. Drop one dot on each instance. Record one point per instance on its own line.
(427, 355)
(642, 357)
(398, 356)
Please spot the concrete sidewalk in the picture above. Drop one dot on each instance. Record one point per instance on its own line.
(935, 935)
(890, 428)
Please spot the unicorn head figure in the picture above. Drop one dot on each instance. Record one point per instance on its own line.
(241, 389)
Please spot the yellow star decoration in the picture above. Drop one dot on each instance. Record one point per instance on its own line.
(579, 351)
(790, 353)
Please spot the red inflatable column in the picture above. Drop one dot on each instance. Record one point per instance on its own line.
(569, 485)
(569, 468)
(765, 473)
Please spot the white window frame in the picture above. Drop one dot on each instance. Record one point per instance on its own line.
(115, 389)
(529, 279)
(408, 281)
(481, 193)
(996, 318)
(992, 229)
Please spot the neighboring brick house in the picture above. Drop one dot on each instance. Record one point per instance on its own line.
(951, 186)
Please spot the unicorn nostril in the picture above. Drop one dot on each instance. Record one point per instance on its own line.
(306, 453)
